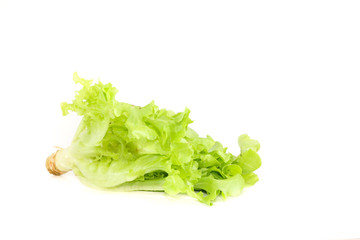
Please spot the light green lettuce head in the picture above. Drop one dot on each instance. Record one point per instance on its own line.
(119, 146)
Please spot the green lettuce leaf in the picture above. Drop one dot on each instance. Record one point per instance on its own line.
(119, 146)
(246, 143)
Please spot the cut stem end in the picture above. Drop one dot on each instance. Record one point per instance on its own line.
(51, 166)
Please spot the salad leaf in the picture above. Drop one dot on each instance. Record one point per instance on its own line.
(119, 146)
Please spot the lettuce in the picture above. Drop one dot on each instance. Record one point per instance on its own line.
(119, 146)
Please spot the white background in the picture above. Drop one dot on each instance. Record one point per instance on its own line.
(284, 72)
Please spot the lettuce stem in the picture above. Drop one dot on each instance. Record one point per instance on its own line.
(52, 163)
